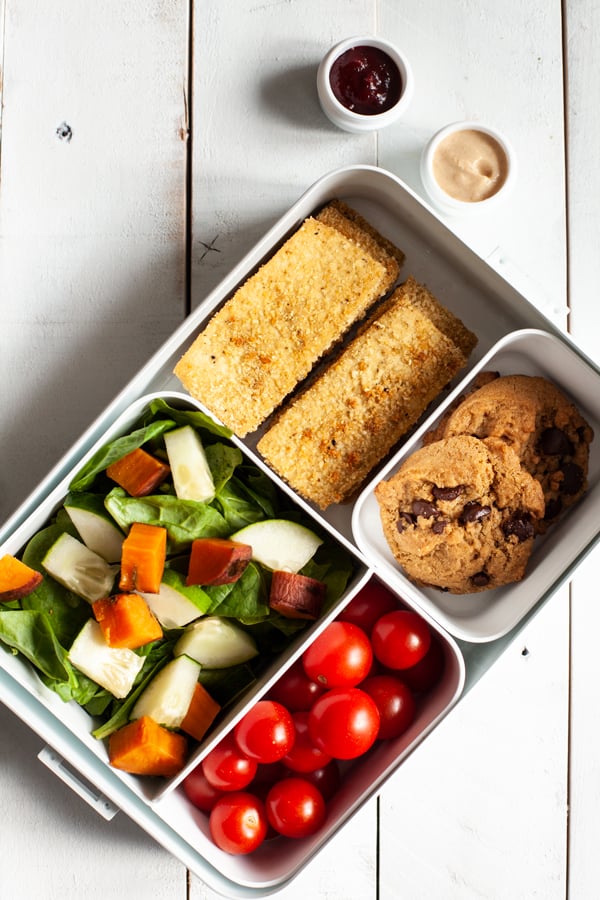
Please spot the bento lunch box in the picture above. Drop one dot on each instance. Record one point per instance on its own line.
(514, 337)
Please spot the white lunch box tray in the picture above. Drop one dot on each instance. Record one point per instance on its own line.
(512, 333)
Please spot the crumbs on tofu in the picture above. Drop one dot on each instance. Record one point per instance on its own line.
(327, 440)
(268, 336)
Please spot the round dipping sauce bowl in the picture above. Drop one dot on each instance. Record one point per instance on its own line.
(364, 84)
(468, 168)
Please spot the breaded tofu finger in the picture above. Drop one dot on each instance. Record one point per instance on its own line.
(325, 442)
(268, 336)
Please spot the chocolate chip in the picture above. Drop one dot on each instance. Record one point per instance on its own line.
(553, 508)
(425, 509)
(439, 526)
(404, 521)
(474, 512)
(480, 579)
(520, 525)
(448, 493)
(572, 479)
(554, 442)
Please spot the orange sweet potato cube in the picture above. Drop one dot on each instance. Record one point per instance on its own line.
(143, 558)
(16, 579)
(144, 747)
(126, 621)
(139, 473)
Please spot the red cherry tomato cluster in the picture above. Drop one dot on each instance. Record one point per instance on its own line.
(355, 684)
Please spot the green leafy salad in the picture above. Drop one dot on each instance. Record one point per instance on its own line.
(46, 623)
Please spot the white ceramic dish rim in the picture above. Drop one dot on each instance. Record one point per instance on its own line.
(444, 201)
(346, 118)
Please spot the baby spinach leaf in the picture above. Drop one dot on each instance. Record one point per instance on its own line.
(238, 506)
(245, 599)
(222, 461)
(332, 565)
(226, 685)
(115, 450)
(196, 418)
(260, 489)
(30, 632)
(82, 689)
(184, 520)
(65, 610)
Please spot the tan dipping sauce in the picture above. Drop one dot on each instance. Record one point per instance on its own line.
(470, 165)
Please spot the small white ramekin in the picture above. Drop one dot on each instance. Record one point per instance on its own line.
(345, 118)
(440, 198)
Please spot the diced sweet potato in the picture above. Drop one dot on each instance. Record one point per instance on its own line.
(296, 596)
(217, 561)
(143, 558)
(16, 579)
(201, 713)
(139, 473)
(145, 748)
(126, 621)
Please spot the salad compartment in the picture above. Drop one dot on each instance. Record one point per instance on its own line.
(352, 572)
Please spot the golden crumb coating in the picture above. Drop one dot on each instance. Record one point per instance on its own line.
(268, 336)
(326, 441)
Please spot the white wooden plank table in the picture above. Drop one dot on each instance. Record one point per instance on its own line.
(145, 147)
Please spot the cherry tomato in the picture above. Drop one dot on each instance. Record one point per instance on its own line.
(304, 756)
(400, 639)
(327, 779)
(266, 733)
(371, 602)
(428, 671)
(295, 807)
(199, 790)
(226, 767)
(340, 656)
(395, 703)
(344, 722)
(238, 822)
(295, 690)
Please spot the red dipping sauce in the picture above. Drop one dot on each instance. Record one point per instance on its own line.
(366, 80)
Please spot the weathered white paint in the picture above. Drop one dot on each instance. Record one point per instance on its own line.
(92, 250)
(583, 105)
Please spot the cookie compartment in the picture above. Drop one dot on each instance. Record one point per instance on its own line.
(489, 615)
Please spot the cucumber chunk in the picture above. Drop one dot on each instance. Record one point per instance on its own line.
(96, 529)
(171, 606)
(168, 696)
(216, 643)
(192, 478)
(279, 544)
(113, 668)
(79, 569)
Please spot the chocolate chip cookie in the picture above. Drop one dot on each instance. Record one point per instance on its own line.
(460, 514)
(546, 431)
